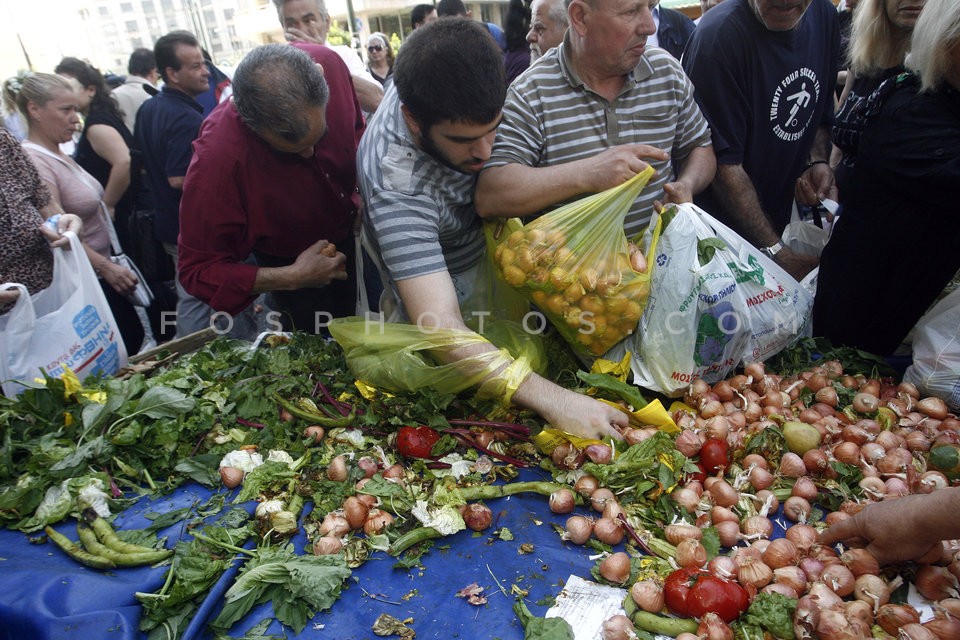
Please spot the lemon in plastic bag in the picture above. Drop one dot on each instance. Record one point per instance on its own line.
(574, 263)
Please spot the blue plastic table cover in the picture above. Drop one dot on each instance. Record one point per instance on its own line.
(46, 595)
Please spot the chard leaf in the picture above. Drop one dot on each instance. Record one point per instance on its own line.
(84, 455)
(164, 402)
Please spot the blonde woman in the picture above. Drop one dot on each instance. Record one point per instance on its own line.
(379, 57)
(879, 41)
(899, 220)
(50, 105)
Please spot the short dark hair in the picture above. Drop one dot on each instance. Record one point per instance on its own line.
(450, 8)
(420, 13)
(165, 51)
(141, 62)
(89, 76)
(451, 69)
(272, 88)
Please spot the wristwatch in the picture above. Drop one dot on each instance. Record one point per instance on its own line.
(772, 250)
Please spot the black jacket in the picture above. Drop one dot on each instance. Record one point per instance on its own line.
(674, 31)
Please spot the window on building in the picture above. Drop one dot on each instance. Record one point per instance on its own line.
(126, 7)
(131, 26)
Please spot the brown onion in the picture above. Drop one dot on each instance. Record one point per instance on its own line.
(915, 631)
(791, 465)
(578, 529)
(781, 553)
(812, 567)
(615, 568)
(562, 501)
(723, 567)
(803, 536)
(860, 562)
(728, 532)
(793, 577)
(936, 583)
(871, 589)
(839, 579)
(334, 524)
(377, 521)
(327, 546)
(688, 443)
(723, 494)
(796, 509)
(945, 627)
(933, 407)
(648, 595)
(231, 477)
(712, 627)
(337, 469)
(753, 571)
(619, 626)
(355, 511)
(608, 531)
(586, 485)
(891, 617)
(600, 498)
(690, 553)
(677, 532)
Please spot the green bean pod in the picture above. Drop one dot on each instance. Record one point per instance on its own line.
(664, 625)
(88, 538)
(108, 537)
(78, 553)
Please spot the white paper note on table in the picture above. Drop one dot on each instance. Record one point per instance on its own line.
(585, 605)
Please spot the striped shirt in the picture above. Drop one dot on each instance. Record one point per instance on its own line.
(419, 216)
(551, 117)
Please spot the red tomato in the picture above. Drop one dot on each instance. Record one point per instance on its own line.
(676, 590)
(416, 442)
(715, 455)
(699, 476)
(725, 598)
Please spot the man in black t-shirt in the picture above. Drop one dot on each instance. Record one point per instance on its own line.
(765, 78)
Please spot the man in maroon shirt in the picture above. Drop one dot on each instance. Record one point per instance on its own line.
(274, 174)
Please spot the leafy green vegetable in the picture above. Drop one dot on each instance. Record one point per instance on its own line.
(772, 612)
(811, 352)
(535, 628)
(615, 388)
(298, 586)
(268, 474)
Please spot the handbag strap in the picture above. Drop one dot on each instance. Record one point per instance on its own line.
(91, 183)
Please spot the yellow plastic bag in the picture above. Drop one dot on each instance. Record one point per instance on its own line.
(405, 357)
(574, 263)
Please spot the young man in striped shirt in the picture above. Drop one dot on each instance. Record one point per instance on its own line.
(418, 161)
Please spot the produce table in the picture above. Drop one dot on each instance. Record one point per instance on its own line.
(44, 594)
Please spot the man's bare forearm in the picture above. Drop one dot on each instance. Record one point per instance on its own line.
(741, 203)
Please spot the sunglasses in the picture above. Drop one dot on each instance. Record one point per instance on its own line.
(375, 47)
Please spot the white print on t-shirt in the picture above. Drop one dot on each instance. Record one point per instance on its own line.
(794, 103)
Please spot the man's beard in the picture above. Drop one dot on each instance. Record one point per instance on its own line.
(428, 147)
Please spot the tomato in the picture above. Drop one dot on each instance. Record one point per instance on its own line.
(693, 592)
(715, 455)
(725, 598)
(700, 475)
(416, 442)
(676, 590)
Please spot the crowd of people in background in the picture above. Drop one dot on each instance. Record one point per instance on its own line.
(274, 190)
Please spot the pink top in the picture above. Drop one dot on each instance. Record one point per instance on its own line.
(80, 193)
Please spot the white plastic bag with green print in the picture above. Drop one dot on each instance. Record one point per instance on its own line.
(714, 302)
